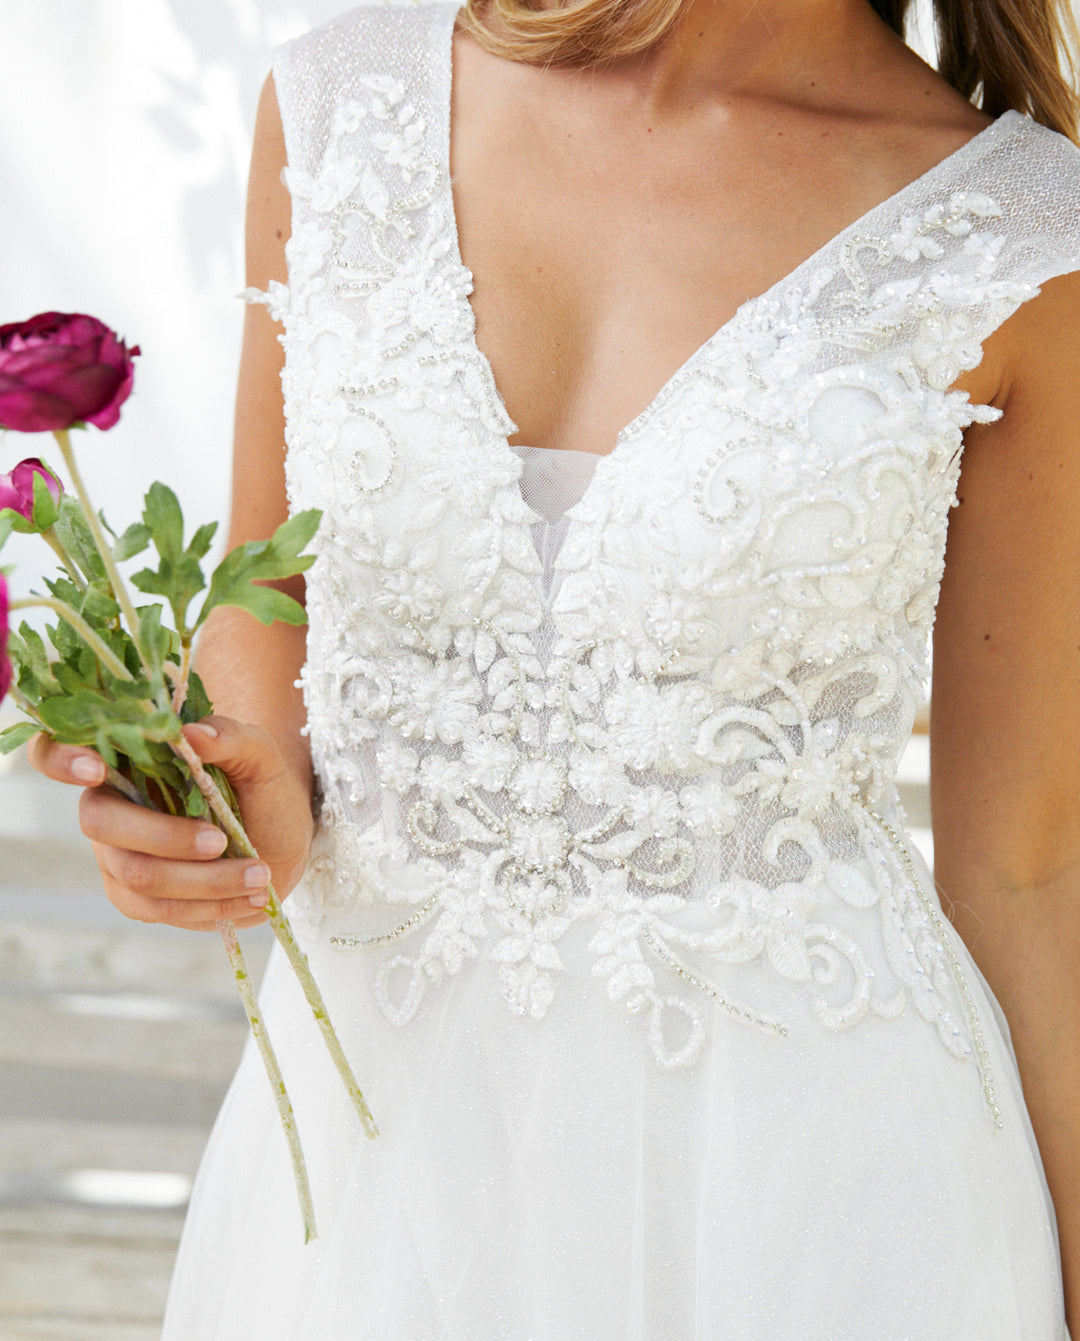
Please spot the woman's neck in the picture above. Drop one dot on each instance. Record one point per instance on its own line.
(790, 51)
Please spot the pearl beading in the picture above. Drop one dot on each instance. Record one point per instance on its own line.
(736, 640)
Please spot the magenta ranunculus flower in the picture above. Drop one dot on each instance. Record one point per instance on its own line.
(62, 368)
(17, 489)
(5, 664)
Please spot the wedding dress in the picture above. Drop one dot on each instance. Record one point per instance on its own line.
(612, 903)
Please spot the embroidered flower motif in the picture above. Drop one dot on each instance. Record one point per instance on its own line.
(538, 785)
(653, 726)
(537, 842)
(668, 762)
(425, 297)
(443, 779)
(407, 595)
(435, 701)
(654, 810)
(709, 809)
(468, 466)
(599, 779)
(944, 348)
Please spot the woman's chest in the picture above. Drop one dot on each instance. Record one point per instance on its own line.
(608, 238)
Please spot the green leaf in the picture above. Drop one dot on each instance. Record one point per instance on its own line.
(33, 670)
(200, 541)
(96, 607)
(84, 717)
(12, 737)
(31, 651)
(15, 521)
(197, 705)
(46, 508)
(164, 520)
(195, 804)
(234, 579)
(73, 718)
(74, 534)
(178, 576)
(129, 739)
(71, 678)
(155, 641)
(134, 540)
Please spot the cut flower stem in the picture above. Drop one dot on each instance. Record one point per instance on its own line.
(101, 540)
(150, 777)
(243, 845)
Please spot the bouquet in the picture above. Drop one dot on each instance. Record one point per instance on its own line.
(118, 677)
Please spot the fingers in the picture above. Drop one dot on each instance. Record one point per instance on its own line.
(171, 869)
(153, 890)
(167, 868)
(183, 893)
(108, 818)
(65, 763)
(275, 806)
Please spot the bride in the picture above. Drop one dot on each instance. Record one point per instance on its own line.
(627, 349)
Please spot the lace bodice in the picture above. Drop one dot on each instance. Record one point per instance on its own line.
(654, 738)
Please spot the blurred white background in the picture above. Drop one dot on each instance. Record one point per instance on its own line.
(125, 130)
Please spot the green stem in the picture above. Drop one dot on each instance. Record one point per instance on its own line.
(183, 675)
(227, 931)
(282, 930)
(101, 540)
(124, 786)
(273, 1074)
(101, 650)
(56, 545)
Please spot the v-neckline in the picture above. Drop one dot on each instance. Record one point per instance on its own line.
(971, 148)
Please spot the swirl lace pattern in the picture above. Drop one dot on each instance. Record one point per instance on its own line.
(674, 761)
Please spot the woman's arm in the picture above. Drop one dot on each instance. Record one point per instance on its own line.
(1005, 723)
(240, 660)
(152, 865)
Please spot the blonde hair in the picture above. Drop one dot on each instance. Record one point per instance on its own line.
(1000, 54)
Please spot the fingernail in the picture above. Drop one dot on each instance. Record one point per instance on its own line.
(256, 877)
(259, 900)
(86, 769)
(204, 729)
(210, 842)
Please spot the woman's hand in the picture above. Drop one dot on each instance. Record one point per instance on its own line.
(166, 868)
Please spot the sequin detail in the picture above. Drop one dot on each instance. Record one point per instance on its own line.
(668, 749)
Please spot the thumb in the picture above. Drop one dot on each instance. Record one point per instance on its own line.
(246, 753)
(276, 813)
(248, 756)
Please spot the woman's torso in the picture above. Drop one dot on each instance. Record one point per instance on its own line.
(669, 761)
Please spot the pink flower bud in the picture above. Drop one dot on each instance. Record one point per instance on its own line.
(60, 369)
(17, 489)
(5, 664)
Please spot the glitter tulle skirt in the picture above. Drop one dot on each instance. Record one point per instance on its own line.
(546, 1181)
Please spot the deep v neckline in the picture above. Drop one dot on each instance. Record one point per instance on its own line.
(973, 148)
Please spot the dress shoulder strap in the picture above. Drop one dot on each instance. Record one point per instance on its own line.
(1032, 175)
(319, 75)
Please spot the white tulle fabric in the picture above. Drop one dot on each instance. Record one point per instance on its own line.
(665, 1031)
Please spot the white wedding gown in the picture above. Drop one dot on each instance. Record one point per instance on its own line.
(665, 1032)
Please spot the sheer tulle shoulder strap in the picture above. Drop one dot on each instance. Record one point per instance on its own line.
(316, 75)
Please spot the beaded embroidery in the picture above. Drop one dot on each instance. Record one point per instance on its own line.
(676, 752)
